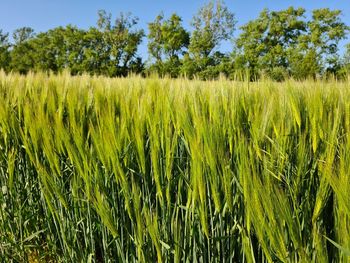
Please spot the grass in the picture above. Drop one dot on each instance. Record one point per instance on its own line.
(94, 169)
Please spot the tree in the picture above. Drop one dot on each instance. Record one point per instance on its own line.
(346, 59)
(108, 49)
(104, 20)
(326, 30)
(212, 24)
(304, 61)
(283, 43)
(22, 52)
(265, 42)
(59, 48)
(120, 43)
(22, 34)
(155, 39)
(167, 42)
(4, 50)
(317, 51)
(344, 68)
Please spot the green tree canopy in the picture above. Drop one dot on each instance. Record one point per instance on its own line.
(167, 41)
(4, 50)
(213, 24)
(285, 43)
(279, 44)
(109, 49)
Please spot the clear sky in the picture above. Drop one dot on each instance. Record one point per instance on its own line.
(45, 14)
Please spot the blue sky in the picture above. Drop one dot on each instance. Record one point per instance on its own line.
(44, 14)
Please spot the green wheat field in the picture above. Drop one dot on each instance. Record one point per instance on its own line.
(95, 169)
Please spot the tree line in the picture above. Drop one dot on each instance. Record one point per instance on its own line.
(277, 44)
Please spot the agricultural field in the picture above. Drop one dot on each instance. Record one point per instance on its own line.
(96, 169)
